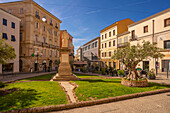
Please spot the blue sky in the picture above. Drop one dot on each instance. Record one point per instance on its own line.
(84, 19)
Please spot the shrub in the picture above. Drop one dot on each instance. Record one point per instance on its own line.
(2, 84)
(151, 73)
(103, 71)
(83, 69)
(120, 72)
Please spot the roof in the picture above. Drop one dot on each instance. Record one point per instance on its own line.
(124, 33)
(112, 25)
(150, 17)
(91, 40)
(10, 14)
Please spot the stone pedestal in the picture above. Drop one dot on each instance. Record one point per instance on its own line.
(64, 72)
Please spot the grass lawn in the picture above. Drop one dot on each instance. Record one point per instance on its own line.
(42, 77)
(33, 94)
(104, 88)
(86, 76)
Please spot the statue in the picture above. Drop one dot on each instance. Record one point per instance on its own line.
(65, 71)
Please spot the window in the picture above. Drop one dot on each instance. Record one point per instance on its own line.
(21, 11)
(5, 22)
(102, 37)
(105, 54)
(36, 37)
(105, 63)
(114, 65)
(55, 33)
(167, 22)
(133, 34)
(37, 13)
(95, 44)
(113, 32)
(145, 29)
(7, 67)
(105, 36)
(125, 39)
(113, 42)
(12, 25)
(56, 26)
(44, 52)
(13, 38)
(4, 36)
(110, 54)
(102, 45)
(10, 11)
(36, 24)
(102, 54)
(50, 31)
(105, 45)
(109, 44)
(109, 34)
(44, 28)
(88, 46)
(167, 44)
(120, 41)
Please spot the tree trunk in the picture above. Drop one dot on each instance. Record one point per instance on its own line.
(133, 74)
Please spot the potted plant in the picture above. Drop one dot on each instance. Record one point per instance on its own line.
(103, 71)
(151, 74)
(120, 73)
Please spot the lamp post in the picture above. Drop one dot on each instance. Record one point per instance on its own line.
(37, 54)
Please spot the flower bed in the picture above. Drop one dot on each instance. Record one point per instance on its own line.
(134, 83)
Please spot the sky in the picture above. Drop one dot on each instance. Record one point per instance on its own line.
(84, 19)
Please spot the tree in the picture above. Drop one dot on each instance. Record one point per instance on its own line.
(7, 52)
(130, 56)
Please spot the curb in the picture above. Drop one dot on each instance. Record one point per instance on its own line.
(86, 103)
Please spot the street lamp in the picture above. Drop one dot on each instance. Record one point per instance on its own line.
(37, 54)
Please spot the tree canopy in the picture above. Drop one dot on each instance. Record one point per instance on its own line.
(130, 56)
(7, 52)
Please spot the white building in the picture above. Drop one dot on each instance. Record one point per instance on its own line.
(9, 30)
(155, 28)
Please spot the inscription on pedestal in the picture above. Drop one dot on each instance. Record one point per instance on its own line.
(64, 58)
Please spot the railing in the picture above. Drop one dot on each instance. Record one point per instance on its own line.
(122, 44)
(133, 38)
(38, 43)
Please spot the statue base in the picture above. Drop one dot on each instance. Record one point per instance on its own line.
(65, 73)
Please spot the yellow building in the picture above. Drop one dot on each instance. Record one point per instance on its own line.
(39, 35)
(109, 41)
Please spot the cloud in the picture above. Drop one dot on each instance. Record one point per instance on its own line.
(78, 33)
(91, 12)
(75, 40)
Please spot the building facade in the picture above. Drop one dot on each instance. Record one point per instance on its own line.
(109, 41)
(10, 30)
(91, 50)
(155, 28)
(79, 54)
(39, 35)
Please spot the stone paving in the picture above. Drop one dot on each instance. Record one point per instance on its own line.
(159, 103)
(68, 88)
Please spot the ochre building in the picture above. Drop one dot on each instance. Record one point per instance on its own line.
(39, 35)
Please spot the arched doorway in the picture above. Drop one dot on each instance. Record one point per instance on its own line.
(20, 65)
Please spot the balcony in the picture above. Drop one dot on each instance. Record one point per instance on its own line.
(133, 38)
(45, 45)
(38, 43)
(37, 16)
(121, 45)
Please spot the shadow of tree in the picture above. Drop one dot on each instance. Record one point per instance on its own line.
(18, 99)
(100, 80)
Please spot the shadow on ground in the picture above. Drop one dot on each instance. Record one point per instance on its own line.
(19, 99)
(100, 80)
